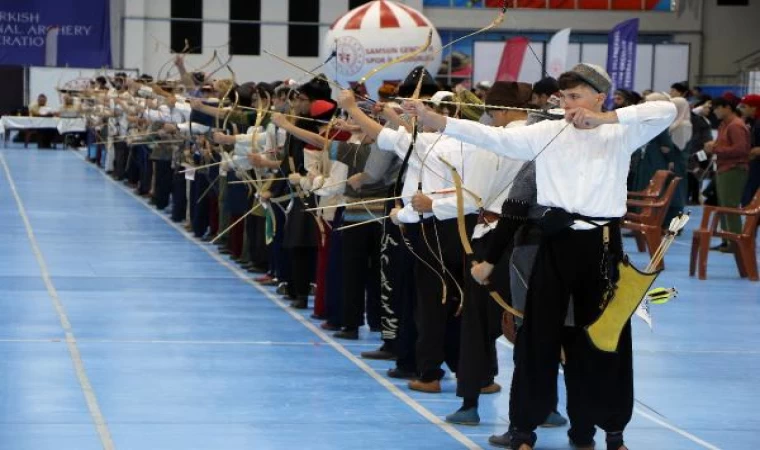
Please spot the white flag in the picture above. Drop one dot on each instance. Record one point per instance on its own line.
(556, 61)
(51, 47)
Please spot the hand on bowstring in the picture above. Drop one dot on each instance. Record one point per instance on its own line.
(346, 99)
(279, 120)
(586, 119)
(356, 181)
(481, 272)
(264, 196)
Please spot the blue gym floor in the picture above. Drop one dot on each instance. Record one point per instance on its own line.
(117, 330)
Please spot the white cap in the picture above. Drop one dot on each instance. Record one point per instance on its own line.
(440, 95)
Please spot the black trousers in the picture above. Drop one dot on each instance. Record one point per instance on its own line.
(303, 260)
(199, 207)
(404, 298)
(481, 326)
(163, 186)
(145, 169)
(437, 323)
(257, 247)
(599, 385)
(361, 271)
(121, 153)
(179, 197)
(133, 164)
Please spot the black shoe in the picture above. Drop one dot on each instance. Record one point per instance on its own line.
(513, 440)
(318, 317)
(380, 354)
(721, 247)
(253, 268)
(501, 440)
(576, 446)
(401, 374)
(300, 303)
(347, 333)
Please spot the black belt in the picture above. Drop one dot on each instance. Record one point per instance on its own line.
(555, 220)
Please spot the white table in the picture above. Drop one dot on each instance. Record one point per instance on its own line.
(63, 125)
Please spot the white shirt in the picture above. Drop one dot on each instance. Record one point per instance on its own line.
(580, 171)
(435, 176)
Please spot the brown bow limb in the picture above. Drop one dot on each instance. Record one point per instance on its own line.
(399, 59)
(462, 229)
(495, 23)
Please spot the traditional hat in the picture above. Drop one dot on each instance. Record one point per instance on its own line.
(510, 93)
(429, 86)
(595, 76)
(322, 109)
(316, 89)
(469, 111)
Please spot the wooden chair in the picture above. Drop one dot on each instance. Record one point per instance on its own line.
(743, 243)
(647, 225)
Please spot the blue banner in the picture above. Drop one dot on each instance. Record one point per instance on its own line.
(74, 33)
(621, 56)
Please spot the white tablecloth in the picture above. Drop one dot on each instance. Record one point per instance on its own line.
(77, 125)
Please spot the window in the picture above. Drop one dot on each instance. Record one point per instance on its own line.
(245, 38)
(187, 31)
(303, 39)
(356, 3)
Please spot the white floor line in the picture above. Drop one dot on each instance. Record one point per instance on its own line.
(186, 342)
(403, 396)
(645, 414)
(76, 358)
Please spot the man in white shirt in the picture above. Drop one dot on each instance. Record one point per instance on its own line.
(581, 169)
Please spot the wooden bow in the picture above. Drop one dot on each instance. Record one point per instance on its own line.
(465, 240)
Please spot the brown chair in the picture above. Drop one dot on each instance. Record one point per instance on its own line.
(647, 225)
(743, 243)
(655, 186)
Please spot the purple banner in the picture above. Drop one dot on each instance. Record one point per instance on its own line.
(75, 33)
(621, 56)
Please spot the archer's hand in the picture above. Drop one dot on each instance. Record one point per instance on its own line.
(294, 178)
(427, 116)
(481, 272)
(356, 181)
(264, 196)
(709, 147)
(585, 118)
(346, 99)
(394, 216)
(255, 159)
(422, 203)
(219, 137)
(279, 120)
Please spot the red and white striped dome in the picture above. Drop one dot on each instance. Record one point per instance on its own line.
(381, 14)
(375, 34)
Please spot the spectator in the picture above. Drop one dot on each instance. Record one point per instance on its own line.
(731, 149)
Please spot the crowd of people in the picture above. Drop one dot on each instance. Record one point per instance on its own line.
(414, 214)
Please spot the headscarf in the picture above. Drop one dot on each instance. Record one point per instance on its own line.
(658, 97)
(681, 129)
